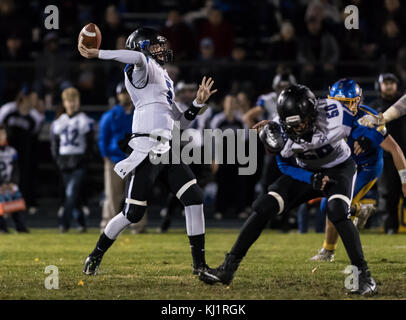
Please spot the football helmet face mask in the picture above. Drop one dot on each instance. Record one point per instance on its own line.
(348, 92)
(150, 43)
(297, 109)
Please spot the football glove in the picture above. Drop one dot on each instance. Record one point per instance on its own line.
(317, 181)
(272, 137)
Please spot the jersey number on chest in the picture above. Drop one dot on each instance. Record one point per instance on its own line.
(317, 153)
(332, 111)
(69, 137)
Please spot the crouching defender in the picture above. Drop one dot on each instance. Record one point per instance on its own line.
(155, 113)
(313, 132)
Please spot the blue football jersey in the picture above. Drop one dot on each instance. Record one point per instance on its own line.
(376, 135)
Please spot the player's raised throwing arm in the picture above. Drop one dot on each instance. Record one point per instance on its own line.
(129, 57)
(124, 56)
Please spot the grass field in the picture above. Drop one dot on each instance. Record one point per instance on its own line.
(156, 266)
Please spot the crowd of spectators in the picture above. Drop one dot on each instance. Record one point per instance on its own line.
(207, 36)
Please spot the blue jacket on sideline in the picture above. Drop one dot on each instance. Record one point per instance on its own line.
(114, 124)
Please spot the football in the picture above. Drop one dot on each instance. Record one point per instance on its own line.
(91, 36)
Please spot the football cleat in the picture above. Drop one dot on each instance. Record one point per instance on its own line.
(366, 210)
(324, 255)
(366, 285)
(197, 270)
(92, 264)
(223, 274)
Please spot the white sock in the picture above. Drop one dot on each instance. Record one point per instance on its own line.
(116, 226)
(194, 220)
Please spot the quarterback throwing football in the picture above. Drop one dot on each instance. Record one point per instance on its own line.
(155, 113)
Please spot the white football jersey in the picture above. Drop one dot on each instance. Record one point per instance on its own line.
(7, 156)
(268, 102)
(152, 101)
(328, 147)
(151, 91)
(72, 132)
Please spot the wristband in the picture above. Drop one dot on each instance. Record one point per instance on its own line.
(191, 113)
(195, 104)
(402, 175)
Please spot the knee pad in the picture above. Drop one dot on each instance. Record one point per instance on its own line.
(193, 195)
(337, 210)
(268, 205)
(134, 212)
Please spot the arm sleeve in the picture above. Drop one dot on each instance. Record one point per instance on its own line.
(125, 56)
(293, 171)
(104, 134)
(400, 106)
(136, 64)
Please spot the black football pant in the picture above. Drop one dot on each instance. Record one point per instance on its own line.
(182, 182)
(287, 193)
(178, 178)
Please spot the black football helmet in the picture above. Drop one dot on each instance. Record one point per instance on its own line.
(297, 109)
(143, 38)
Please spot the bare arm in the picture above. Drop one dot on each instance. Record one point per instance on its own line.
(390, 145)
(397, 110)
